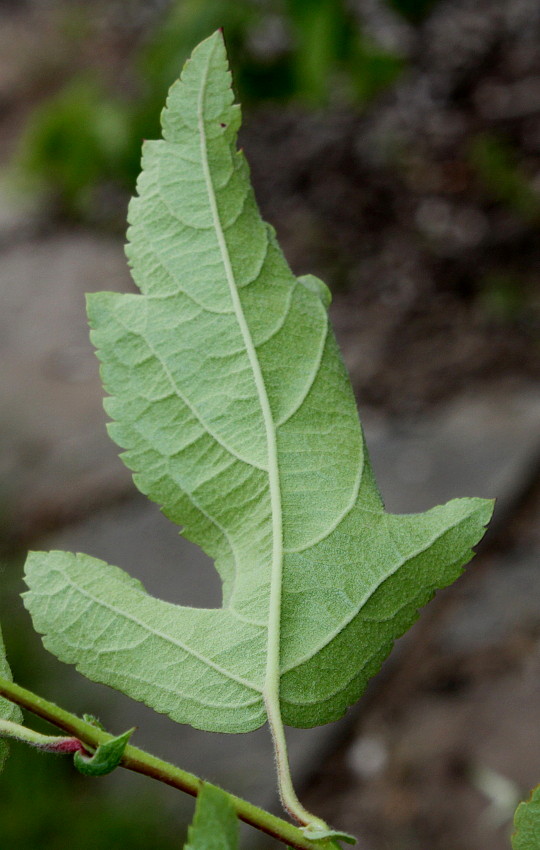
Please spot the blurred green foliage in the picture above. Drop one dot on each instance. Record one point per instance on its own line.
(374, 69)
(311, 51)
(503, 296)
(506, 295)
(78, 138)
(77, 815)
(497, 166)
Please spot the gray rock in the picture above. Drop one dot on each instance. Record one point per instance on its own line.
(494, 605)
(486, 446)
(55, 455)
(20, 213)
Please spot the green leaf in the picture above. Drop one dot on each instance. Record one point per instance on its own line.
(215, 825)
(8, 710)
(231, 400)
(527, 823)
(316, 833)
(106, 758)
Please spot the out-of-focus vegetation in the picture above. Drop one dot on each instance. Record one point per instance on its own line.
(75, 140)
(497, 167)
(87, 819)
(404, 136)
(414, 10)
(504, 295)
(310, 51)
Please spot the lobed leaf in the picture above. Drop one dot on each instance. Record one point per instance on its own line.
(231, 401)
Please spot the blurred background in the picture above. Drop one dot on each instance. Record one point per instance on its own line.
(395, 147)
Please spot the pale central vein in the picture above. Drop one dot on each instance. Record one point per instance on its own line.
(271, 687)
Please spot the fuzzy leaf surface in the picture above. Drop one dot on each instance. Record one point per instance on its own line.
(231, 401)
(527, 823)
(215, 825)
(8, 710)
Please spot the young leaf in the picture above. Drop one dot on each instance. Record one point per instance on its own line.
(8, 710)
(527, 823)
(106, 758)
(232, 402)
(215, 825)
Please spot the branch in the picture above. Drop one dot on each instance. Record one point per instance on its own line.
(141, 762)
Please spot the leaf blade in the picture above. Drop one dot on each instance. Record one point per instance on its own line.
(527, 823)
(383, 609)
(230, 398)
(215, 825)
(97, 617)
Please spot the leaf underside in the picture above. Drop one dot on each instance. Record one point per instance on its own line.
(231, 401)
(527, 823)
(8, 710)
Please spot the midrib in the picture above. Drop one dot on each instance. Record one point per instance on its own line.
(271, 685)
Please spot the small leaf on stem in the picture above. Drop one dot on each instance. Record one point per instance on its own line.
(215, 825)
(106, 758)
